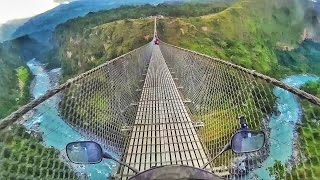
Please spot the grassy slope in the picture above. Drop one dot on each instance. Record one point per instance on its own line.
(101, 37)
(246, 33)
(83, 54)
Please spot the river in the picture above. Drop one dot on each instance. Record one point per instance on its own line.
(56, 132)
(283, 124)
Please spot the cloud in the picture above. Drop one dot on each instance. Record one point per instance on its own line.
(61, 1)
(15, 9)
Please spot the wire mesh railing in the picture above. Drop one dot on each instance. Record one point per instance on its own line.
(101, 105)
(97, 105)
(220, 92)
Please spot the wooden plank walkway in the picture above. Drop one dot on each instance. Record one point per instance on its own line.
(163, 133)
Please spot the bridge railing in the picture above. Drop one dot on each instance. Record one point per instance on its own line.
(218, 93)
(98, 105)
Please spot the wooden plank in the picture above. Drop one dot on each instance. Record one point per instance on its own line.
(163, 133)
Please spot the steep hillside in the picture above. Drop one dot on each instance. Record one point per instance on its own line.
(27, 48)
(257, 34)
(8, 28)
(123, 36)
(101, 37)
(42, 25)
(247, 33)
(313, 88)
(304, 59)
(251, 33)
(86, 43)
(14, 80)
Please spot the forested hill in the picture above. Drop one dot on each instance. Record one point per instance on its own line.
(249, 33)
(15, 76)
(264, 35)
(86, 42)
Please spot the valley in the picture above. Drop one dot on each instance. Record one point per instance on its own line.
(267, 36)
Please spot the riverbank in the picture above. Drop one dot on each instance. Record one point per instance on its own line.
(283, 127)
(55, 131)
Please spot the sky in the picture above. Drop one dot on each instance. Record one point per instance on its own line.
(16, 9)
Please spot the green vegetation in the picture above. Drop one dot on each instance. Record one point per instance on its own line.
(278, 170)
(108, 34)
(83, 54)
(247, 33)
(309, 166)
(15, 76)
(312, 88)
(309, 132)
(254, 106)
(24, 76)
(304, 59)
(226, 97)
(253, 33)
(24, 157)
(14, 80)
(71, 27)
(256, 34)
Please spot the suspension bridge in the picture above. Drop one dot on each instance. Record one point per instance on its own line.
(160, 105)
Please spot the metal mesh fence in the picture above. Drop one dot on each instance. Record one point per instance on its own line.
(220, 93)
(101, 105)
(97, 105)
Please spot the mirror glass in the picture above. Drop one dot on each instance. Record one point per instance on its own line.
(84, 152)
(247, 141)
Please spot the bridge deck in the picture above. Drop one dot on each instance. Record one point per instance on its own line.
(163, 133)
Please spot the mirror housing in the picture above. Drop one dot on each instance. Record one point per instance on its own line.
(246, 141)
(84, 152)
(243, 141)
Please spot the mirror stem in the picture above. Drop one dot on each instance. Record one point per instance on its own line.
(226, 147)
(107, 156)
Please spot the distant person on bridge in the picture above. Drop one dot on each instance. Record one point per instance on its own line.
(157, 40)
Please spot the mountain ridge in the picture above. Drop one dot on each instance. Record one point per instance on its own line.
(8, 28)
(47, 21)
(248, 33)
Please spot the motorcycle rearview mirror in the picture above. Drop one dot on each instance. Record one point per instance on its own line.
(90, 152)
(247, 141)
(243, 141)
(84, 152)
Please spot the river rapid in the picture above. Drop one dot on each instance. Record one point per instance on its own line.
(282, 125)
